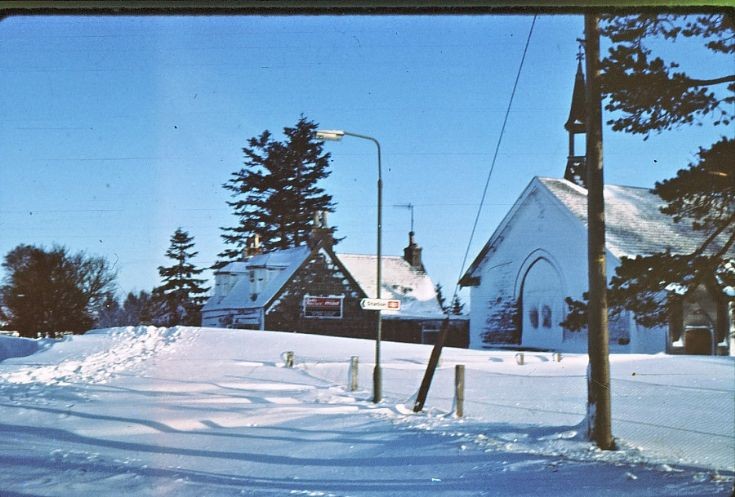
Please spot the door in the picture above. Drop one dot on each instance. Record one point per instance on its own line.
(541, 306)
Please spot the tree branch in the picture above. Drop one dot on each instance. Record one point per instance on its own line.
(710, 82)
(723, 226)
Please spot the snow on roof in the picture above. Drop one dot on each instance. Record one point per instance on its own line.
(400, 281)
(634, 223)
(285, 262)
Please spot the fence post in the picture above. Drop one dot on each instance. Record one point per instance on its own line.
(289, 359)
(353, 373)
(459, 389)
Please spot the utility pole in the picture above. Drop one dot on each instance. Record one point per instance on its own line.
(598, 375)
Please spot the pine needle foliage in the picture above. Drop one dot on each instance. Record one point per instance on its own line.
(181, 294)
(276, 192)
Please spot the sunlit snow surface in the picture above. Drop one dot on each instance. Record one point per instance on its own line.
(192, 412)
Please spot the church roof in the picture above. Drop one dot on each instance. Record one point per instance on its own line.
(634, 223)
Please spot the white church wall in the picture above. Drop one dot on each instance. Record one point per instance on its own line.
(541, 228)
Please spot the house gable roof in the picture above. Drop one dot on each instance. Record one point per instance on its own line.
(399, 280)
(286, 262)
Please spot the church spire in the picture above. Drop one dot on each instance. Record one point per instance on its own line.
(576, 171)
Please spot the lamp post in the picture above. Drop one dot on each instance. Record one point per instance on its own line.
(337, 135)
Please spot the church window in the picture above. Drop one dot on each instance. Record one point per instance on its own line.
(546, 316)
(533, 317)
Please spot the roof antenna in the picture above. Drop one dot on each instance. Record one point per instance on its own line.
(409, 206)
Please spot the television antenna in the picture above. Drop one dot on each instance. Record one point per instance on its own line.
(410, 207)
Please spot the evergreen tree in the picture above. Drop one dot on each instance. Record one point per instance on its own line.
(440, 297)
(53, 290)
(110, 314)
(181, 295)
(647, 94)
(138, 309)
(457, 306)
(276, 193)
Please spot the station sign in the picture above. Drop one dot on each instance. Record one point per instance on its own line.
(380, 304)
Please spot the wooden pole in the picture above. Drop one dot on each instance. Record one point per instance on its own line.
(431, 367)
(353, 373)
(459, 390)
(598, 380)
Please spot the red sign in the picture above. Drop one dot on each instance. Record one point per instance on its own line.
(323, 307)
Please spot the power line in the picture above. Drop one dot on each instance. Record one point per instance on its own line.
(495, 156)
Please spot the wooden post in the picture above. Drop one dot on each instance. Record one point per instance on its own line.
(431, 367)
(289, 359)
(459, 390)
(353, 373)
(598, 381)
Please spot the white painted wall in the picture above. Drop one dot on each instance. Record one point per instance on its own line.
(542, 228)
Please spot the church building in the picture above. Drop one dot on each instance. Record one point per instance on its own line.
(537, 257)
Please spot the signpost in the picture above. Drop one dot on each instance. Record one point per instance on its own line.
(380, 304)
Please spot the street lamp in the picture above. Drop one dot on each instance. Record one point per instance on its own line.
(337, 135)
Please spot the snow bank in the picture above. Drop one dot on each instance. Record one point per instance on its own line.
(16, 347)
(100, 354)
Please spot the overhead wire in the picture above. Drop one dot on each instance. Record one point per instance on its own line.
(495, 157)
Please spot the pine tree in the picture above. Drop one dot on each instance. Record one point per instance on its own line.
(181, 295)
(646, 94)
(277, 191)
(440, 297)
(110, 314)
(457, 306)
(138, 309)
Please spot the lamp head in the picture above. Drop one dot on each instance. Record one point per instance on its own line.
(330, 134)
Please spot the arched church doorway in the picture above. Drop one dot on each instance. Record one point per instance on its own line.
(541, 306)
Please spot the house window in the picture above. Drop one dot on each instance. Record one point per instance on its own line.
(429, 334)
(546, 316)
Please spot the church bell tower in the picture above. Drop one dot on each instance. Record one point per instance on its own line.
(576, 170)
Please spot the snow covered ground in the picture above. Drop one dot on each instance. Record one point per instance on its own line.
(211, 412)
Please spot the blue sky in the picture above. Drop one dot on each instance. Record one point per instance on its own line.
(115, 131)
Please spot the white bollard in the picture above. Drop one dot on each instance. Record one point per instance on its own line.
(519, 358)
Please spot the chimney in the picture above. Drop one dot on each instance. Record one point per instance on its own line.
(253, 247)
(412, 253)
(320, 231)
